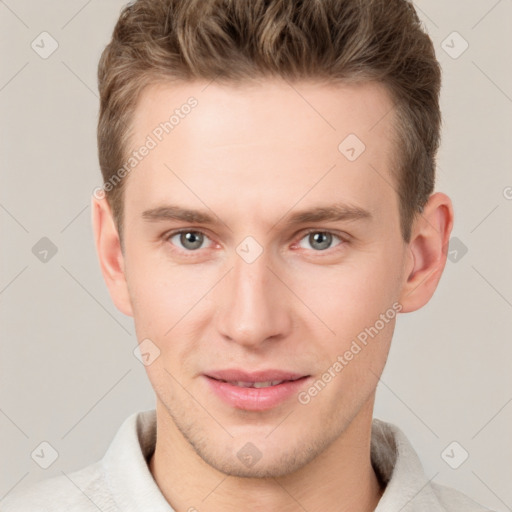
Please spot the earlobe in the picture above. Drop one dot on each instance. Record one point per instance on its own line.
(110, 256)
(428, 249)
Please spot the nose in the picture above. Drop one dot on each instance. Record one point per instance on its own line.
(253, 307)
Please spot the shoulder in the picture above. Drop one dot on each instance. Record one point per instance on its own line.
(455, 501)
(120, 476)
(80, 491)
(407, 487)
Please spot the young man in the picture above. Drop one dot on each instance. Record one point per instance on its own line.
(267, 211)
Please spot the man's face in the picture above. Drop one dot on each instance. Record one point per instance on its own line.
(257, 288)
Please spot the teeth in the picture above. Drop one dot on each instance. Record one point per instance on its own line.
(265, 384)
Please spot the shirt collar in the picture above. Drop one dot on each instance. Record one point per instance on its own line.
(127, 473)
(398, 466)
(133, 488)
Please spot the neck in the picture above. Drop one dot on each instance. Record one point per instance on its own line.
(341, 478)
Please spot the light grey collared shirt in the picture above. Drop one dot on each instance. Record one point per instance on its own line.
(122, 482)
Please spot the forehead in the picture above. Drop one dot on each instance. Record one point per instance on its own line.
(236, 145)
(227, 114)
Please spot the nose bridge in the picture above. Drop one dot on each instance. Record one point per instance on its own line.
(251, 309)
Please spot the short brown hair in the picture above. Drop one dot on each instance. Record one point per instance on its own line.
(239, 40)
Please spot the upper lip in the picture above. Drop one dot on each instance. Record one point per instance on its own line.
(235, 375)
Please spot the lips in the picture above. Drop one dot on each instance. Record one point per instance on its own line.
(260, 379)
(259, 385)
(255, 391)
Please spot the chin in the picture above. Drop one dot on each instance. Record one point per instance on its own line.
(259, 459)
(280, 465)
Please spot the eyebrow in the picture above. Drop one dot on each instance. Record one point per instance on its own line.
(330, 213)
(178, 213)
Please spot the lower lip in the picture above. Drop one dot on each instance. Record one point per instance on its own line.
(255, 399)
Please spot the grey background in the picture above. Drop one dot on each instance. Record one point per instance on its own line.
(67, 369)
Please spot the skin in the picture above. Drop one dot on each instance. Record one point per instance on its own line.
(252, 155)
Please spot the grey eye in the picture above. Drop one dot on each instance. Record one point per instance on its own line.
(189, 240)
(318, 240)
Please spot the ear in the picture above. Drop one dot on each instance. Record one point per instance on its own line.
(111, 258)
(427, 252)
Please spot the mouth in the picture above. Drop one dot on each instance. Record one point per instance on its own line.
(257, 384)
(257, 391)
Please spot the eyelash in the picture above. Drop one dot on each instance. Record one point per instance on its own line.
(342, 238)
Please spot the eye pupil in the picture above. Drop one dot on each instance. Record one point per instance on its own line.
(323, 240)
(191, 240)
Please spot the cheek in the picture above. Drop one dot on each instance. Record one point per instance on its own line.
(168, 299)
(152, 293)
(359, 305)
(350, 296)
